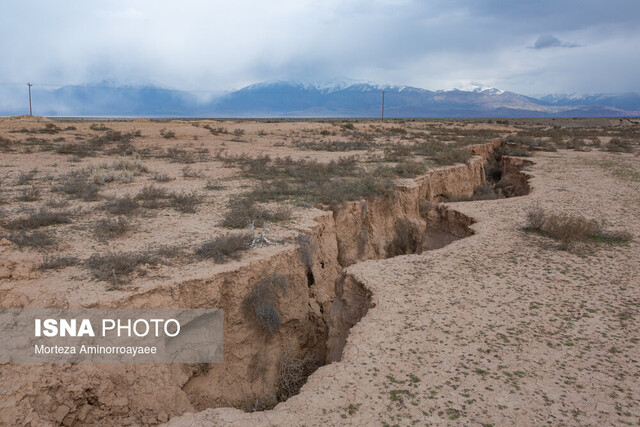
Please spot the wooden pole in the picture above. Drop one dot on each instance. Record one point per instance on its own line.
(30, 111)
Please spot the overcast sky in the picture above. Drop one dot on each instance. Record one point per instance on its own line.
(530, 47)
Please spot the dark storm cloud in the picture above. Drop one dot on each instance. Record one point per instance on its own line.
(217, 45)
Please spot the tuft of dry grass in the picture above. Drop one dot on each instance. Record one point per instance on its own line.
(161, 177)
(167, 134)
(34, 239)
(243, 210)
(39, 218)
(111, 227)
(58, 262)
(570, 229)
(307, 249)
(225, 247)
(125, 205)
(185, 202)
(78, 186)
(26, 177)
(30, 194)
(617, 145)
(262, 299)
(406, 238)
(294, 371)
(451, 156)
(115, 267)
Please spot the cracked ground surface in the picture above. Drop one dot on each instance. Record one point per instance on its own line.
(501, 328)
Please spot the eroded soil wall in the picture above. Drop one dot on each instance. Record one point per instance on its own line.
(317, 310)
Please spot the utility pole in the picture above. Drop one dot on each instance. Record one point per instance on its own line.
(382, 118)
(30, 111)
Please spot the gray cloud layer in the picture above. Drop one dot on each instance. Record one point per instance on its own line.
(549, 40)
(218, 45)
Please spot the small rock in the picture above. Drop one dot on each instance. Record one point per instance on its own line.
(623, 288)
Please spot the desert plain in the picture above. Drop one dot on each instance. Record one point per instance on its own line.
(405, 272)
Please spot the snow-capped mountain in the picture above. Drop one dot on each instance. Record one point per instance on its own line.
(334, 98)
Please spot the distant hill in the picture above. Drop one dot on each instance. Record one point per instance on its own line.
(292, 99)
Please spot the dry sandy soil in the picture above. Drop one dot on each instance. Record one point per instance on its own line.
(500, 327)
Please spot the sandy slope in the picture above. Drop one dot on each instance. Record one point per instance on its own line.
(499, 328)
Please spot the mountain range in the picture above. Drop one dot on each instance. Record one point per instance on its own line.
(297, 100)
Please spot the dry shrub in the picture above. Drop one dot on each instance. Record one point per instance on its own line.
(189, 172)
(307, 249)
(111, 227)
(406, 238)
(121, 170)
(125, 205)
(294, 371)
(569, 228)
(185, 202)
(340, 190)
(30, 194)
(167, 134)
(99, 127)
(536, 216)
(115, 267)
(340, 146)
(311, 181)
(214, 184)
(40, 218)
(262, 299)
(424, 207)
(409, 168)
(515, 152)
(35, 239)
(152, 192)
(154, 197)
(480, 192)
(57, 262)
(161, 177)
(450, 156)
(26, 177)
(396, 152)
(6, 145)
(178, 155)
(225, 247)
(617, 145)
(216, 131)
(622, 236)
(243, 210)
(77, 186)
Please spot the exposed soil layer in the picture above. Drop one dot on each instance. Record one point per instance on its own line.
(499, 328)
(319, 307)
